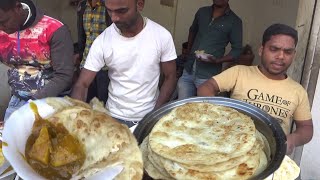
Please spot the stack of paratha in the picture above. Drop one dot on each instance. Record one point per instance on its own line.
(106, 142)
(204, 141)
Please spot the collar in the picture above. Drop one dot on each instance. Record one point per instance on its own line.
(227, 10)
(145, 20)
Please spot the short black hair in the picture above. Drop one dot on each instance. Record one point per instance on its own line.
(185, 45)
(8, 4)
(277, 29)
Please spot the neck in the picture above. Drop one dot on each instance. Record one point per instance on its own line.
(281, 76)
(219, 10)
(135, 29)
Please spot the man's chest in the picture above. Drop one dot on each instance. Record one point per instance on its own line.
(276, 102)
(126, 56)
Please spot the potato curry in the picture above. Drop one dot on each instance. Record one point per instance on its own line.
(52, 151)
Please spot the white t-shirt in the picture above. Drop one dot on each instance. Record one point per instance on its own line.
(134, 67)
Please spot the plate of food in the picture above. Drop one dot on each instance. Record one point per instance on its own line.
(210, 138)
(62, 138)
(200, 54)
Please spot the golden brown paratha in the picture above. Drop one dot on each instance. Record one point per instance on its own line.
(288, 170)
(202, 133)
(242, 171)
(229, 164)
(151, 170)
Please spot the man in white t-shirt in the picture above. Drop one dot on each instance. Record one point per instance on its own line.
(133, 48)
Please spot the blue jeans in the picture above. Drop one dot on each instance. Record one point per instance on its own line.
(188, 84)
(128, 123)
(14, 104)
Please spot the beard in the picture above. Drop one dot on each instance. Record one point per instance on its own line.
(125, 25)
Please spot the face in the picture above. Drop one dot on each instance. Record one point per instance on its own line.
(124, 13)
(9, 20)
(220, 2)
(277, 55)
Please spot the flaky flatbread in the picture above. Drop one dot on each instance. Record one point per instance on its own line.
(202, 133)
(106, 141)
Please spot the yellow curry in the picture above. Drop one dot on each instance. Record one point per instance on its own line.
(52, 151)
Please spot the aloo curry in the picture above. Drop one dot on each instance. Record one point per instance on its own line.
(52, 151)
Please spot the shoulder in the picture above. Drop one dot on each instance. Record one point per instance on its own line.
(159, 30)
(243, 68)
(235, 17)
(296, 86)
(204, 9)
(51, 22)
(50, 26)
(105, 36)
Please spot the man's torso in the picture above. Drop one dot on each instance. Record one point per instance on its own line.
(134, 69)
(28, 54)
(280, 99)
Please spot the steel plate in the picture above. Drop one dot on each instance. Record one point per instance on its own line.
(266, 124)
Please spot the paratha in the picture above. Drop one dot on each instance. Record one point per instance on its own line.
(288, 170)
(202, 133)
(106, 141)
(148, 166)
(229, 164)
(266, 148)
(263, 163)
(242, 171)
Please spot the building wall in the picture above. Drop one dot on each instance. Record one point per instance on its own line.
(255, 14)
(310, 161)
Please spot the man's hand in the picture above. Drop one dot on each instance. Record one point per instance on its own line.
(302, 135)
(80, 89)
(77, 60)
(210, 59)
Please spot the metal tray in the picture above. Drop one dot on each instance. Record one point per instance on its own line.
(266, 124)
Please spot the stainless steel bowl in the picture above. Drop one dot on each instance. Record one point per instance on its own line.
(267, 125)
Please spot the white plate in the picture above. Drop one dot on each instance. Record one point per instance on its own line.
(16, 131)
(4, 167)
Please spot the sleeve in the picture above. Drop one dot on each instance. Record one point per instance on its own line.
(168, 50)
(95, 59)
(61, 48)
(227, 79)
(194, 26)
(236, 39)
(302, 111)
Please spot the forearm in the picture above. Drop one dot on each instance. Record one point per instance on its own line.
(56, 85)
(227, 58)
(79, 92)
(190, 41)
(166, 90)
(206, 90)
(302, 136)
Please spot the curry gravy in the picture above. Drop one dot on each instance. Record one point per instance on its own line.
(52, 151)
